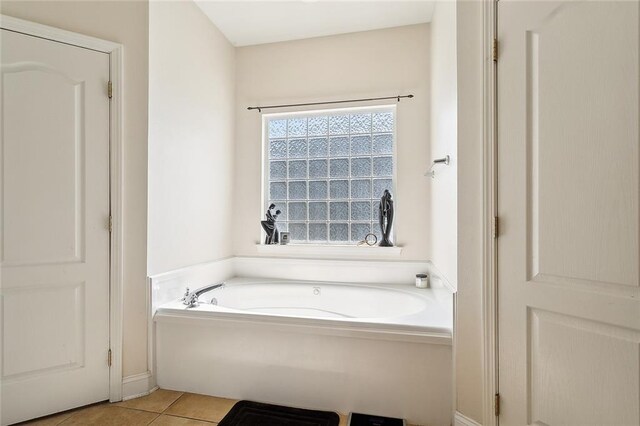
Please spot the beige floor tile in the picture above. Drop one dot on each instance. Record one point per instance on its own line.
(165, 420)
(52, 420)
(343, 419)
(156, 402)
(201, 407)
(109, 415)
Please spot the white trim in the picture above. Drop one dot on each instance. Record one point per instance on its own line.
(117, 234)
(56, 34)
(454, 356)
(490, 204)
(328, 251)
(116, 142)
(461, 420)
(138, 385)
(151, 337)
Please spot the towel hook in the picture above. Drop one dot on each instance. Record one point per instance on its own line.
(444, 160)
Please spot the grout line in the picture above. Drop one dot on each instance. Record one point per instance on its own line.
(64, 420)
(190, 418)
(154, 419)
(174, 402)
(142, 409)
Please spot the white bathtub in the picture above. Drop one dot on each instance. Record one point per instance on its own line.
(390, 306)
(381, 349)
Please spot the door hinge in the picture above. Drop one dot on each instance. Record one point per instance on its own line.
(109, 358)
(496, 227)
(494, 50)
(496, 405)
(110, 224)
(110, 89)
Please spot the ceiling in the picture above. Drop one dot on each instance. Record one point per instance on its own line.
(247, 23)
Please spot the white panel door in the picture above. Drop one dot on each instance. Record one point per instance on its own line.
(568, 250)
(55, 238)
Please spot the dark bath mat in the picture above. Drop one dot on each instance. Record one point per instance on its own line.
(248, 413)
(357, 419)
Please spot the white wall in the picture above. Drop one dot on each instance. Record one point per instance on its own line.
(366, 64)
(444, 133)
(125, 22)
(191, 130)
(468, 332)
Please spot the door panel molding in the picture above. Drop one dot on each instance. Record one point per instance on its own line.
(554, 61)
(116, 142)
(614, 289)
(24, 246)
(23, 304)
(558, 335)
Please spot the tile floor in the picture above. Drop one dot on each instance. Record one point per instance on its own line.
(161, 408)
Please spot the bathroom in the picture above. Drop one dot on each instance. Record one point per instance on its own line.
(200, 115)
(351, 65)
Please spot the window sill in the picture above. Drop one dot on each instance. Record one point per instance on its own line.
(324, 251)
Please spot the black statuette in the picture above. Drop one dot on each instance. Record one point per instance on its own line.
(386, 218)
(269, 226)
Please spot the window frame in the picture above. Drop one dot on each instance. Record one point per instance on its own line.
(266, 117)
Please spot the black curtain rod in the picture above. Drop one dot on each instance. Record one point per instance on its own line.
(260, 108)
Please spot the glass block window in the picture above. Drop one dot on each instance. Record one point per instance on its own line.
(326, 172)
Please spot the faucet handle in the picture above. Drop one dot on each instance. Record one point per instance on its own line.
(190, 299)
(188, 296)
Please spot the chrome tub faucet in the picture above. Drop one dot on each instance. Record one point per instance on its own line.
(190, 298)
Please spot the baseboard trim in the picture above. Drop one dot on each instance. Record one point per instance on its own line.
(138, 385)
(462, 420)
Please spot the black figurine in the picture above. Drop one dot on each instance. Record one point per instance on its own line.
(269, 226)
(386, 218)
